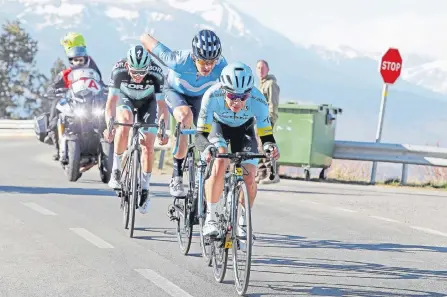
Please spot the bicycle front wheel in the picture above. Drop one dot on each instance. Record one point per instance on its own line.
(242, 245)
(133, 197)
(185, 219)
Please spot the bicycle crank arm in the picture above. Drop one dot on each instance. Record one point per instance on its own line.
(170, 213)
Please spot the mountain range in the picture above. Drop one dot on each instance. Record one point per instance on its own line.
(344, 77)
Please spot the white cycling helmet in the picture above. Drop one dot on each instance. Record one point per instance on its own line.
(237, 78)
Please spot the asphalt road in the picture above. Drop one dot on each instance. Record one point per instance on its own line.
(66, 239)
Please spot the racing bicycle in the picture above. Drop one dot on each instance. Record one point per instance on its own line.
(191, 209)
(236, 201)
(130, 192)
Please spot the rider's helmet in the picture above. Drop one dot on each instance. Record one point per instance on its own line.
(206, 45)
(138, 60)
(237, 78)
(72, 39)
(77, 56)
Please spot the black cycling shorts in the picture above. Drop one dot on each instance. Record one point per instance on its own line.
(147, 111)
(241, 139)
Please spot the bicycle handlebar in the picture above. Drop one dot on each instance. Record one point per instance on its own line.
(241, 156)
(113, 123)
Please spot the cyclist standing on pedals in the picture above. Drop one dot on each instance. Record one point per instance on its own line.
(229, 111)
(190, 74)
(136, 82)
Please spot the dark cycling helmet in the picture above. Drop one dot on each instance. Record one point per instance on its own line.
(206, 45)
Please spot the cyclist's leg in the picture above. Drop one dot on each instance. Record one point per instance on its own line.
(147, 114)
(215, 184)
(179, 108)
(247, 143)
(123, 115)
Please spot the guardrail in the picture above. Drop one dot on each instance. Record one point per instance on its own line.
(26, 127)
(405, 154)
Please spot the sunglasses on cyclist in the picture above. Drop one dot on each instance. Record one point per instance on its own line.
(205, 62)
(138, 72)
(241, 97)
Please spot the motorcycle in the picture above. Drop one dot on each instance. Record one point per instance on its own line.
(80, 126)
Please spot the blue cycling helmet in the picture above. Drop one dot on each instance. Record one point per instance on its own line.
(77, 51)
(206, 45)
(237, 78)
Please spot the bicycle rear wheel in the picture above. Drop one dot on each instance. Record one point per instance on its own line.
(133, 197)
(242, 246)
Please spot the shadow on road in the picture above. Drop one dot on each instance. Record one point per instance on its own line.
(276, 190)
(70, 191)
(283, 241)
(323, 289)
(317, 268)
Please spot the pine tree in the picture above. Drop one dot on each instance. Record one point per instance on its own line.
(21, 84)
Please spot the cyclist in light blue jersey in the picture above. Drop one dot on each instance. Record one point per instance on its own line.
(229, 112)
(190, 74)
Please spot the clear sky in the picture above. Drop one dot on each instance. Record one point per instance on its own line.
(414, 26)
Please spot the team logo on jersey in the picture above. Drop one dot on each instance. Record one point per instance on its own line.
(137, 86)
(120, 64)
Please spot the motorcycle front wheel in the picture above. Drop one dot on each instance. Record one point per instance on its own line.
(74, 160)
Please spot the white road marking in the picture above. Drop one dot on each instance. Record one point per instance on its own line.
(92, 238)
(345, 209)
(163, 283)
(39, 208)
(384, 219)
(428, 230)
(313, 202)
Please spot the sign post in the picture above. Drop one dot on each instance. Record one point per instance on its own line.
(390, 68)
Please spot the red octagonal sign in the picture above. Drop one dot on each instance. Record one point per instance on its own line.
(391, 65)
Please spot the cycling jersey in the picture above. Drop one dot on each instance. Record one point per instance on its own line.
(182, 75)
(121, 81)
(215, 107)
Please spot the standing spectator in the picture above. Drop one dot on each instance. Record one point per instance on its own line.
(270, 89)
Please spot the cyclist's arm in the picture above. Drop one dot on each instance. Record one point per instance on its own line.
(113, 96)
(159, 95)
(163, 54)
(205, 121)
(261, 112)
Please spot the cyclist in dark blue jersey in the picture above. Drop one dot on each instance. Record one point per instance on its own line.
(191, 73)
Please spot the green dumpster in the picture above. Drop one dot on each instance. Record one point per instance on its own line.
(305, 135)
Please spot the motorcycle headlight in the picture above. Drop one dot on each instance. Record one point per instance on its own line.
(80, 112)
(98, 112)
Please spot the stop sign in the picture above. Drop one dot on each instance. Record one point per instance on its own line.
(391, 65)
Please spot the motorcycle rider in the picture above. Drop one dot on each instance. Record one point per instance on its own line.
(71, 41)
(77, 57)
(136, 82)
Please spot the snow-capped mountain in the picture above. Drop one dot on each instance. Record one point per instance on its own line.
(343, 76)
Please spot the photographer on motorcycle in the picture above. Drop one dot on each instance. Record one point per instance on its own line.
(77, 57)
